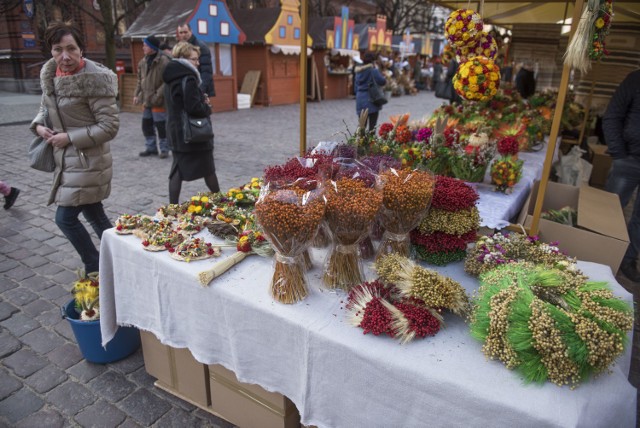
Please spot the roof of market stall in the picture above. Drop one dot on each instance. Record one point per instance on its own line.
(507, 12)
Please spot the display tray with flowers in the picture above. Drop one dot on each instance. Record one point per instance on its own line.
(149, 225)
(471, 158)
(247, 194)
(227, 220)
(192, 249)
(189, 224)
(547, 325)
(406, 200)
(289, 216)
(162, 240)
(126, 224)
(353, 197)
(171, 211)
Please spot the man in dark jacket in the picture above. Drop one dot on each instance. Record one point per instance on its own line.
(621, 126)
(525, 80)
(206, 66)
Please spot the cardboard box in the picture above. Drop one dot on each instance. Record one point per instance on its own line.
(176, 370)
(601, 235)
(601, 162)
(247, 405)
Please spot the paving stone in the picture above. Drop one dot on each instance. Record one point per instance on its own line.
(19, 324)
(84, 371)
(102, 414)
(56, 241)
(7, 284)
(24, 362)
(20, 405)
(112, 386)
(49, 318)
(42, 340)
(65, 356)
(7, 265)
(175, 401)
(6, 310)
(46, 418)
(49, 270)
(44, 250)
(130, 364)
(37, 283)
(34, 261)
(64, 329)
(65, 277)
(129, 423)
(20, 296)
(21, 253)
(46, 379)
(70, 397)
(8, 344)
(213, 420)
(142, 378)
(179, 418)
(55, 292)
(8, 384)
(19, 273)
(37, 307)
(144, 406)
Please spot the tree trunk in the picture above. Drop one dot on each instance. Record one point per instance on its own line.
(106, 9)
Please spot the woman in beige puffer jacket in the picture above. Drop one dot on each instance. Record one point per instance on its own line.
(78, 116)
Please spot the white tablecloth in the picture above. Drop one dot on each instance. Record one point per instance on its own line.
(497, 209)
(335, 375)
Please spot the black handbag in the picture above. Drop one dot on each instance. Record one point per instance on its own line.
(376, 95)
(444, 89)
(195, 129)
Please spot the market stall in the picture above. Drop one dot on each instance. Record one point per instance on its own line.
(335, 44)
(335, 375)
(272, 47)
(212, 23)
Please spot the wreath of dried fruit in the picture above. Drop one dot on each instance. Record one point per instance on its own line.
(193, 249)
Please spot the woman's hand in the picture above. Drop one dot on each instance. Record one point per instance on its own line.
(59, 140)
(44, 132)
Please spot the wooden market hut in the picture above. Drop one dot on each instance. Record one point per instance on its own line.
(211, 22)
(335, 44)
(272, 48)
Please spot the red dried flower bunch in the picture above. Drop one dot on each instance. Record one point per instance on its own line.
(508, 146)
(385, 129)
(451, 194)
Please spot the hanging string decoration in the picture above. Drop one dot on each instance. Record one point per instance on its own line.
(588, 42)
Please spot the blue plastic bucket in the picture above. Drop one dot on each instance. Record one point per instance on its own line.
(87, 333)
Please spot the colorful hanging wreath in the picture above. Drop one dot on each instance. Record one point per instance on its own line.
(484, 44)
(462, 26)
(477, 79)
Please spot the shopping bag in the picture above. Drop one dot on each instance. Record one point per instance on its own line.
(41, 155)
(444, 89)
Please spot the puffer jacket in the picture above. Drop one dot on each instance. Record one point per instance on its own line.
(84, 106)
(364, 75)
(192, 100)
(149, 87)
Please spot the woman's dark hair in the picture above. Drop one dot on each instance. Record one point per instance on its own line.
(369, 57)
(58, 29)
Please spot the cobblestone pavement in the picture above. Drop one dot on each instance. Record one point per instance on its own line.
(44, 381)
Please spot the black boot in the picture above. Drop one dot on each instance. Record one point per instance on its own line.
(10, 199)
(630, 270)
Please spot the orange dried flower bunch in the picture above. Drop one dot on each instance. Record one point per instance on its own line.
(406, 200)
(289, 217)
(351, 207)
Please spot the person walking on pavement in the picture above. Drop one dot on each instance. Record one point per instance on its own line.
(205, 68)
(195, 160)
(10, 194)
(150, 93)
(526, 80)
(621, 126)
(79, 103)
(365, 74)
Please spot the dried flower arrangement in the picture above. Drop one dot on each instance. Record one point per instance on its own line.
(352, 205)
(289, 217)
(452, 210)
(506, 172)
(406, 201)
(86, 292)
(535, 322)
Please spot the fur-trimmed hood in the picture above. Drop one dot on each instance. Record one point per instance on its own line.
(94, 80)
(360, 68)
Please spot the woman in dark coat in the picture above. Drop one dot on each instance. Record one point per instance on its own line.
(364, 75)
(190, 161)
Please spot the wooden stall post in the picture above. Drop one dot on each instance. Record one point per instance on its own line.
(555, 126)
(304, 25)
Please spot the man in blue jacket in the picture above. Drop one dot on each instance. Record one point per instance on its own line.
(621, 126)
(206, 66)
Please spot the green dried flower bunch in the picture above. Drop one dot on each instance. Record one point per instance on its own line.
(414, 281)
(529, 318)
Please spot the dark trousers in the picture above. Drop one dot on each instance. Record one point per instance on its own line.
(372, 120)
(623, 180)
(68, 222)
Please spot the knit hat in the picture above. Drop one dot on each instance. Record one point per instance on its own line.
(153, 42)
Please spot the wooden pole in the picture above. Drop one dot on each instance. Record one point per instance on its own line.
(304, 15)
(587, 107)
(555, 126)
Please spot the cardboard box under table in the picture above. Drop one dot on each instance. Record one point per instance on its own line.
(601, 161)
(601, 233)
